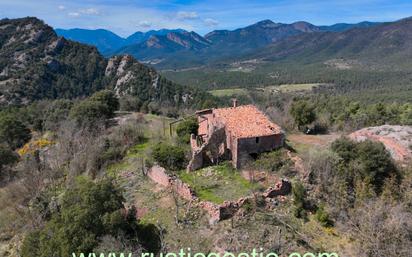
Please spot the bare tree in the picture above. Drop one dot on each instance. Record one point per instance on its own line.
(381, 229)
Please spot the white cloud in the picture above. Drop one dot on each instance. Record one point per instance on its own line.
(61, 7)
(73, 14)
(90, 11)
(87, 11)
(187, 15)
(210, 22)
(145, 24)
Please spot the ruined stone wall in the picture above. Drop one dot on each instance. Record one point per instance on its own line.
(212, 150)
(216, 212)
(183, 189)
(158, 174)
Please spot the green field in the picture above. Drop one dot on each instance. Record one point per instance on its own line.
(287, 88)
(229, 92)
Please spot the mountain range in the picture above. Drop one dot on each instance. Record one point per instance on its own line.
(108, 42)
(156, 47)
(387, 45)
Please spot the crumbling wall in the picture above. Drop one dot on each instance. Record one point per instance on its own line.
(283, 187)
(183, 189)
(226, 210)
(159, 175)
(216, 212)
(211, 151)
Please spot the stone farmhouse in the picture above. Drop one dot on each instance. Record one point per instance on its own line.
(237, 133)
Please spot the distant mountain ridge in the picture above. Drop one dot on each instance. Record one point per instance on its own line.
(106, 41)
(159, 44)
(386, 45)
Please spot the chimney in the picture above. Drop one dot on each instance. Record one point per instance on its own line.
(234, 101)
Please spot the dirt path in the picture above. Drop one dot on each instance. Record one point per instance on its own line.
(302, 143)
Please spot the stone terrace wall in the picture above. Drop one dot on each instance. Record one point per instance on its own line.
(158, 174)
(217, 212)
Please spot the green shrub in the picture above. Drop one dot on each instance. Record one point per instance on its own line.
(323, 217)
(130, 103)
(299, 195)
(89, 113)
(13, 132)
(169, 156)
(7, 156)
(88, 212)
(55, 113)
(186, 128)
(109, 99)
(303, 113)
(96, 109)
(366, 162)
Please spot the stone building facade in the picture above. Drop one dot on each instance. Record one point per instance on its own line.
(236, 133)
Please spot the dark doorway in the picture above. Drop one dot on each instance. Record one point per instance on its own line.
(254, 156)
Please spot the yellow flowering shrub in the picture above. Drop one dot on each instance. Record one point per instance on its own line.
(32, 146)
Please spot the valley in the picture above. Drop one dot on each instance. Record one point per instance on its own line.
(286, 137)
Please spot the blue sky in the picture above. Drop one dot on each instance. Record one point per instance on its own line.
(127, 16)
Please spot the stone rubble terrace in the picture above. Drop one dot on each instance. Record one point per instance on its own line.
(246, 121)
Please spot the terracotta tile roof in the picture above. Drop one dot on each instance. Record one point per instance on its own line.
(247, 121)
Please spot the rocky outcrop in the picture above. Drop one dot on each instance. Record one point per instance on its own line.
(396, 139)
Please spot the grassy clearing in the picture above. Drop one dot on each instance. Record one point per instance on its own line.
(285, 88)
(218, 183)
(229, 92)
(289, 88)
(297, 87)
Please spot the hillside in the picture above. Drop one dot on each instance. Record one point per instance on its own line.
(389, 43)
(356, 61)
(258, 35)
(36, 64)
